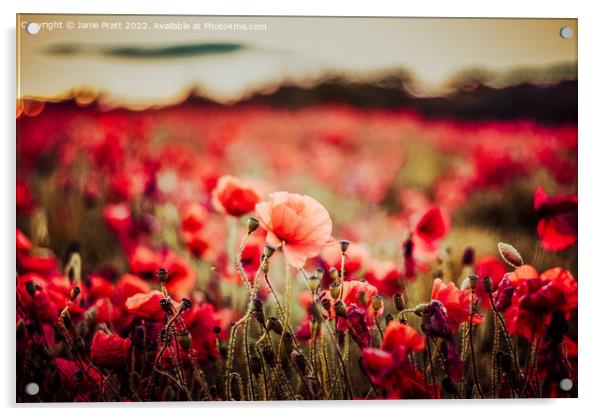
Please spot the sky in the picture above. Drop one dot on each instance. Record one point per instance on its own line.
(141, 61)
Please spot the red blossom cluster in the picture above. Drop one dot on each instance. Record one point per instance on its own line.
(158, 255)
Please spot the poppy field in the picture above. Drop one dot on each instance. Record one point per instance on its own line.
(210, 253)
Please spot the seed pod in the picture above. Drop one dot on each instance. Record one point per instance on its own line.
(258, 312)
(398, 301)
(487, 284)
(510, 255)
(185, 340)
(388, 319)
(319, 273)
(289, 345)
(340, 309)
(274, 324)
(299, 361)
(75, 292)
(314, 282)
(377, 303)
(420, 309)
(473, 279)
(186, 304)
(344, 245)
(335, 290)
(252, 224)
(265, 266)
(255, 365)
(333, 274)
(315, 312)
(268, 355)
(268, 251)
(162, 275)
(165, 304)
(468, 256)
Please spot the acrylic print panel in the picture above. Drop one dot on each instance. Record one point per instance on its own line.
(283, 208)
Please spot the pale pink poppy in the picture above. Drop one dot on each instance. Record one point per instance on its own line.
(299, 221)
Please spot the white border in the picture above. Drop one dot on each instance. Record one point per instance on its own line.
(590, 209)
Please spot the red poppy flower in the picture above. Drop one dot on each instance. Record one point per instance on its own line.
(128, 285)
(146, 305)
(23, 243)
(109, 350)
(193, 217)
(144, 261)
(70, 374)
(397, 334)
(118, 218)
(298, 220)
(234, 196)
(200, 320)
(393, 371)
(456, 302)
(492, 267)
(557, 227)
(385, 276)
(100, 287)
(536, 297)
(432, 226)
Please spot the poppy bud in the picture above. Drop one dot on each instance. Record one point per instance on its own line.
(258, 312)
(468, 256)
(314, 282)
(333, 273)
(75, 292)
(377, 302)
(344, 245)
(398, 301)
(255, 365)
(335, 290)
(186, 304)
(274, 325)
(388, 319)
(31, 288)
(165, 304)
(184, 340)
(268, 355)
(162, 275)
(319, 273)
(298, 359)
(473, 279)
(268, 251)
(289, 345)
(510, 255)
(340, 309)
(487, 285)
(421, 309)
(252, 225)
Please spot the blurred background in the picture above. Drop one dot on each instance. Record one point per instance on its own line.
(377, 118)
